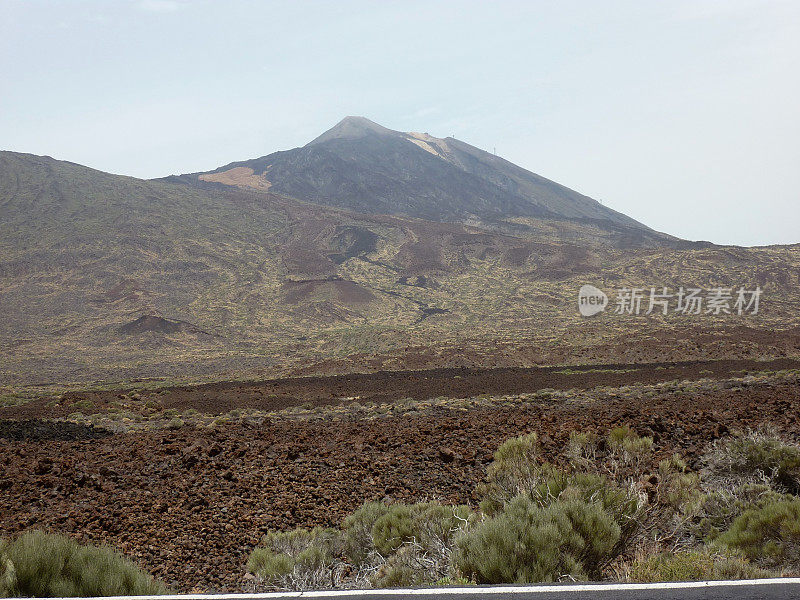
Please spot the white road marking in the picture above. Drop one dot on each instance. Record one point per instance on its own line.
(452, 591)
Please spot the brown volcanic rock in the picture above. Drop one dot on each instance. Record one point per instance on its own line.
(189, 505)
(390, 386)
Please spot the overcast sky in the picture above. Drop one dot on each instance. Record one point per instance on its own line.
(683, 115)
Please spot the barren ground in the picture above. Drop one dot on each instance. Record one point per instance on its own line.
(190, 503)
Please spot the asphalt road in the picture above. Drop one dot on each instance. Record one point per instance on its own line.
(760, 589)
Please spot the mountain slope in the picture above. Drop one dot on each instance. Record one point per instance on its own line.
(362, 166)
(116, 278)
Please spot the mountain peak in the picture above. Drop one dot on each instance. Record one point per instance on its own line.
(364, 167)
(352, 127)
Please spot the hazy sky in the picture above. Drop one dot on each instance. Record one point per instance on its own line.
(684, 115)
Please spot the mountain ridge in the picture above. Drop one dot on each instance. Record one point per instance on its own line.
(112, 277)
(361, 165)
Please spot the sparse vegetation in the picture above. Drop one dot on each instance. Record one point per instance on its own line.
(43, 565)
(693, 565)
(661, 515)
(613, 512)
(175, 423)
(298, 559)
(754, 457)
(769, 535)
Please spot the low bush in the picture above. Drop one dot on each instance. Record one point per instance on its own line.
(625, 439)
(695, 565)
(621, 454)
(416, 541)
(678, 488)
(539, 522)
(43, 565)
(528, 543)
(298, 559)
(759, 456)
(627, 451)
(516, 469)
(271, 566)
(583, 450)
(394, 528)
(436, 525)
(429, 531)
(382, 545)
(746, 471)
(768, 536)
(622, 504)
(358, 531)
(718, 509)
(408, 567)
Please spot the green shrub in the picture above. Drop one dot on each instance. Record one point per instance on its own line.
(696, 565)
(541, 524)
(527, 543)
(394, 528)
(358, 531)
(669, 566)
(405, 568)
(769, 536)
(43, 565)
(382, 529)
(718, 509)
(416, 541)
(300, 558)
(175, 423)
(622, 504)
(269, 565)
(515, 470)
(583, 450)
(755, 456)
(628, 449)
(554, 486)
(421, 561)
(429, 524)
(435, 526)
(619, 435)
(622, 453)
(678, 488)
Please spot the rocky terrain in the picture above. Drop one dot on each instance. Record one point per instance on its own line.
(110, 278)
(189, 362)
(367, 168)
(189, 500)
